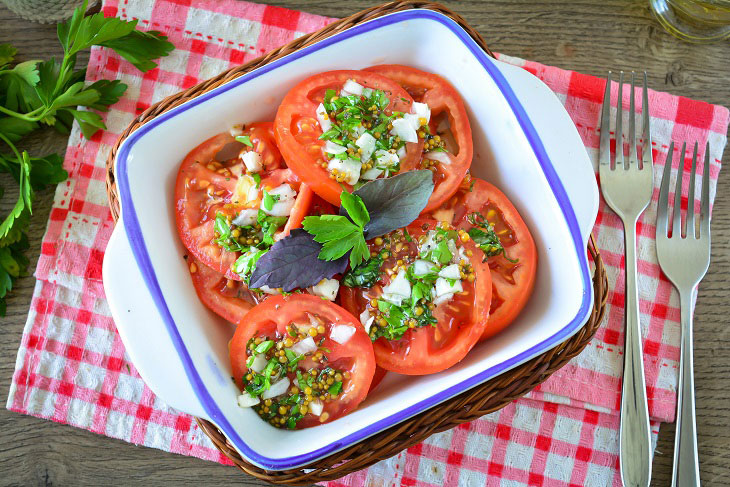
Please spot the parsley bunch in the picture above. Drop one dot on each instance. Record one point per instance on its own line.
(37, 93)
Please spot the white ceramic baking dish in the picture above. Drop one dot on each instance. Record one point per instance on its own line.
(524, 142)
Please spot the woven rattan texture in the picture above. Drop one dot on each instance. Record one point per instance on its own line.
(468, 406)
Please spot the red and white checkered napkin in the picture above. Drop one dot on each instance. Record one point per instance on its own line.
(72, 367)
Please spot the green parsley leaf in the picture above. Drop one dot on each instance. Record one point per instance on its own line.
(334, 249)
(335, 388)
(483, 234)
(269, 225)
(268, 200)
(326, 228)
(257, 179)
(246, 263)
(7, 54)
(264, 346)
(355, 208)
(244, 139)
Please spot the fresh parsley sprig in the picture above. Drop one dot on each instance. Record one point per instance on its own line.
(339, 234)
(37, 93)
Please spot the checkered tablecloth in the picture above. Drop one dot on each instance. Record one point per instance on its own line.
(72, 367)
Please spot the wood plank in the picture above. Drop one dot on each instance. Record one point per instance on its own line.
(590, 36)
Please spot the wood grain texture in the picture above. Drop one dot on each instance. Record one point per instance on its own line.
(590, 36)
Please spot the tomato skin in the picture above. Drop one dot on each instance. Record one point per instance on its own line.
(270, 319)
(228, 299)
(512, 282)
(296, 125)
(431, 349)
(377, 378)
(196, 207)
(441, 97)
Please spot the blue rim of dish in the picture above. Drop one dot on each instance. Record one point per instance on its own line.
(139, 249)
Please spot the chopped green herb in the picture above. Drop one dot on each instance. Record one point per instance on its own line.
(268, 200)
(364, 275)
(483, 234)
(244, 139)
(257, 179)
(335, 388)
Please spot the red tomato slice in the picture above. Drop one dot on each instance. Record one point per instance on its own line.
(460, 321)
(225, 297)
(377, 378)
(276, 319)
(512, 282)
(207, 184)
(446, 106)
(297, 129)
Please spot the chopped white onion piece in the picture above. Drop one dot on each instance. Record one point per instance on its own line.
(429, 244)
(245, 190)
(369, 323)
(372, 173)
(259, 363)
(316, 407)
(450, 272)
(367, 92)
(424, 267)
(386, 158)
(353, 87)
(236, 130)
(438, 156)
(277, 388)
(304, 346)
(413, 120)
(358, 130)
(443, 286)
(404, 129)
(236, 169)
(324, 121)
(395, 299)
(401, 153)
(350, 167)
(332, 148)
(246, 217)
(287, 198)
(269, 290)
(366, 142)
(253, 161)
(443, 299)
(421, 110)
(400, 286)
(326, 288)
(246, 400)
(342, 333)
(454, 251)
(364, 316)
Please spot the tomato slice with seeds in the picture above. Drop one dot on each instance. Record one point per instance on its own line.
(460, 321)
(297, 128)
(448, 120)
(292, 321)
(513, 274)
(225, 297)
(213, 180)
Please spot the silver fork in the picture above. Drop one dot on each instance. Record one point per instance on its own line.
(684, 257)
(627, 187)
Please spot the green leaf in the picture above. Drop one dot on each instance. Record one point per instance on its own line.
(270, 225)
(140, 48)
(257, 179)
(334, 249)
(245, 139)
(483, 234)
(89, 122)
(7, 54)
(80, 32)
(268, 200)
(109, 93)
(355, 208)
(328, 227)
(335, 388)
(44, 171)
(359, 251)
(246, 263)
(15, 128)
(25, 195)
(264, 346)
(27, 71)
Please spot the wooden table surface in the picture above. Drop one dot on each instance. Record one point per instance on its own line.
(590, 36)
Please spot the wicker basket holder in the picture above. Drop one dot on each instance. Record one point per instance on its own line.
(467, 406)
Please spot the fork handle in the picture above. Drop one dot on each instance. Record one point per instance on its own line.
(634, 439)
(686, 468)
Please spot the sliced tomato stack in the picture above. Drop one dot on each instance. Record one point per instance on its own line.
(429, 292)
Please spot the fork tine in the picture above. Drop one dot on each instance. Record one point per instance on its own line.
(619, 124)
(605, 150)
(633, 157)
(663, 204)
(677, 220)
(705, 204)
(691, 198)
(646, 159)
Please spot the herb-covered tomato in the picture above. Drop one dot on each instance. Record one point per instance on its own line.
(301, 361)
(423, 297)
(234, 197)
(225, 297)
(341, 128)
(448, 149)
(505, 242)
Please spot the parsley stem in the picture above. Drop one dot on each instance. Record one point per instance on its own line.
(12, 146)
(23, 116)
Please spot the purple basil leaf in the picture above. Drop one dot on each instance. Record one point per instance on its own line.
(394, 202)
(292, 263)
